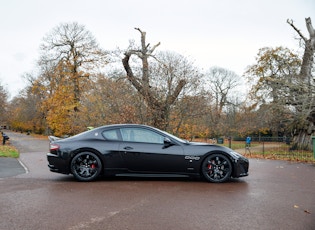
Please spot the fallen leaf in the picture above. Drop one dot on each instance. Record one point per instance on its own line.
(306, 211)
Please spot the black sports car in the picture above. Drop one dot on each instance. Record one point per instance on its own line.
(141, 149)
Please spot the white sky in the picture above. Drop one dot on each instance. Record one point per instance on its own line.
(225, 33)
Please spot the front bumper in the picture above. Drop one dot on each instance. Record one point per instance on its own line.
(241, 168)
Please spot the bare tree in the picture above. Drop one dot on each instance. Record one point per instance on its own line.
(308, 57)
(220, 85)
(158, 101)
(306, 103)
(74, 50)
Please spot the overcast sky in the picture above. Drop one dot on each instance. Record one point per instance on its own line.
(225, 33)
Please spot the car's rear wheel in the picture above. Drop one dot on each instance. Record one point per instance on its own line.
(86, 166)
(216, 168)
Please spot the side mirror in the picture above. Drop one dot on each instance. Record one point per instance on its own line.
(167, 142)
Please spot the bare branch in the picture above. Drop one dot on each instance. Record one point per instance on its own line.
(154, 47)
(290, 22)
(138, 29)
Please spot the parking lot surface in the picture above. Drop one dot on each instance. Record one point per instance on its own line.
(276, 195)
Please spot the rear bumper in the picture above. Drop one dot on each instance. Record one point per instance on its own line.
(57, 164)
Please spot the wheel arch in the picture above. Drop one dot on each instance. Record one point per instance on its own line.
(217, 152)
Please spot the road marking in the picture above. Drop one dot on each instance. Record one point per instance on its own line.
(24, 166)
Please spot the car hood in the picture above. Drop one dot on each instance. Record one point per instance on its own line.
(204, 144)
(217, 147)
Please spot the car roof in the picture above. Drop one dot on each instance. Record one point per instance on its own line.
(124, 126)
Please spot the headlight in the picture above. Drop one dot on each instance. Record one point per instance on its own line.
(235, 154)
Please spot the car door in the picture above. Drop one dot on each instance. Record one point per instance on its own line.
(144, 150)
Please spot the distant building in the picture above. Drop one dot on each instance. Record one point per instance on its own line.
(4, 127)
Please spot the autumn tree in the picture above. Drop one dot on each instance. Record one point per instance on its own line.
(275, 68)
(70, 56)
(74, 50)
(159, 88)
(272, 79)
(111, 100)
(25, 112)
(3, 105)
(189, 117)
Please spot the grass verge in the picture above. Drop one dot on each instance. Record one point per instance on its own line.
(8, 151)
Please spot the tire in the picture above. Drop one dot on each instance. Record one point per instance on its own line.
(216, 168)
(86, 166)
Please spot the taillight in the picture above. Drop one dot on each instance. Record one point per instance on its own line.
(54, 147)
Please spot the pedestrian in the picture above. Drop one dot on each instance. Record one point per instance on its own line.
(4, 138)
(248, 140)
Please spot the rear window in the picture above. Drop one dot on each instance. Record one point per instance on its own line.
(111, 135)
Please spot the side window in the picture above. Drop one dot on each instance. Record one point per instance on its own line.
(141, 135)
(111, 134)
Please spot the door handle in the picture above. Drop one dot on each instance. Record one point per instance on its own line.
(128, 148)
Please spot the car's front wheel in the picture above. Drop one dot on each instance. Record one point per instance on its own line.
(86, 166)
(216, 168)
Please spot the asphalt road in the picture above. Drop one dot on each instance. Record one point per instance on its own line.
(276, 195)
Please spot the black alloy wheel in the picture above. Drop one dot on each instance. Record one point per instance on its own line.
(86, 166)
(216, 168)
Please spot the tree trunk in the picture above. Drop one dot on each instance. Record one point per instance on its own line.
(302, 137)
(158, 110)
